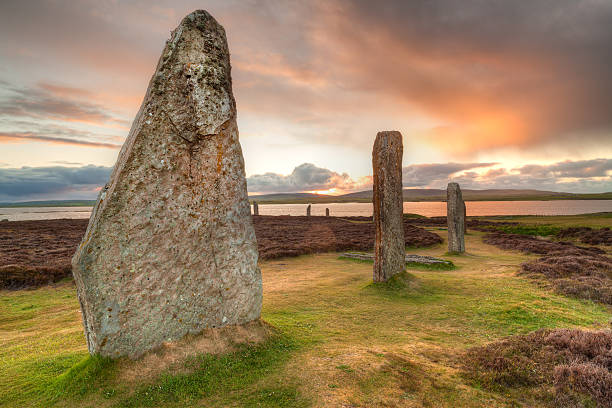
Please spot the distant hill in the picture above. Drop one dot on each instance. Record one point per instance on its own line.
(428, 194)
(410, 194)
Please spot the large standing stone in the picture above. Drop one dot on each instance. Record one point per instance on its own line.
(455, 217)
(308, 210)
(255, 208)
(170, 248)
(389, 248)
(327, 212)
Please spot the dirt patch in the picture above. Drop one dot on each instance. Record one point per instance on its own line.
(34, 253)
(171, 356)
(584, 272)
(588, 235)
(565, 365)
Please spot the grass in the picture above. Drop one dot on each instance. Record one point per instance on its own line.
(525, 229)
(214, 377)
(340, 340)
(596, 220)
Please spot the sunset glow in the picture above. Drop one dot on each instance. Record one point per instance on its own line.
(497, 90)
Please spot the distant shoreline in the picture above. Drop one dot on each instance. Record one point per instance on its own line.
(608, 196)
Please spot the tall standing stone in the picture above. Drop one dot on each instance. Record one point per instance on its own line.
(327, 212)
(389, 247)
(455, 217)
(308, 210)
(170, 248)
(255, 208)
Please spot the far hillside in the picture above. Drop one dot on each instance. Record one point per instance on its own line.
(427, 194)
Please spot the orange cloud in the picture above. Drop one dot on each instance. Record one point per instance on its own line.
(30, 137)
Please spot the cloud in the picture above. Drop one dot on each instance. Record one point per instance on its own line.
(570, 169)
(55, 114)
(305, 177)
(51, 102)
(56, 182)
(30, 137)
(568, 176)
(582, 176)
(418, 175)
(493, 74)
(465, 77)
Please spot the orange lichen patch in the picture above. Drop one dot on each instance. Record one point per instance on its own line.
(220, 154)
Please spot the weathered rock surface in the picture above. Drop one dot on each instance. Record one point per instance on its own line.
(420, 259)
(455, 217)
(389, 249)
(255, 208)
(170, 248)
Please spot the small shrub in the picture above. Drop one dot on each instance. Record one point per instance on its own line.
(575, 365)
(588, 235)
(571, 270)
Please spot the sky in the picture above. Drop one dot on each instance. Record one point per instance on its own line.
(491, 94)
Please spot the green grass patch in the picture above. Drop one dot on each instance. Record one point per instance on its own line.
(542, 230)
(431, 267)
(411, 215)
(224, 376)
(398, 283)
(348, 258)
(223, 380)
(85, 377)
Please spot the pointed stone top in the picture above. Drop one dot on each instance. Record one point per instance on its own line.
(388, 139)
(195, 62)
(453, 186)
(201, 20)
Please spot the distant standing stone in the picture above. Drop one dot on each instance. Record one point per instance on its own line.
(308, 210)
(255, 208)
(455, 216)
(170, 248)
(327, 212)
(389, 247)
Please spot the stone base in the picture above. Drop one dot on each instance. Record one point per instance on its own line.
(422, 259)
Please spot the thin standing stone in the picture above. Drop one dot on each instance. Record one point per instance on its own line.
(308, 210)
(455, 216)
(255, 208)
(170, 247)
(389, 248)
(327, 212)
